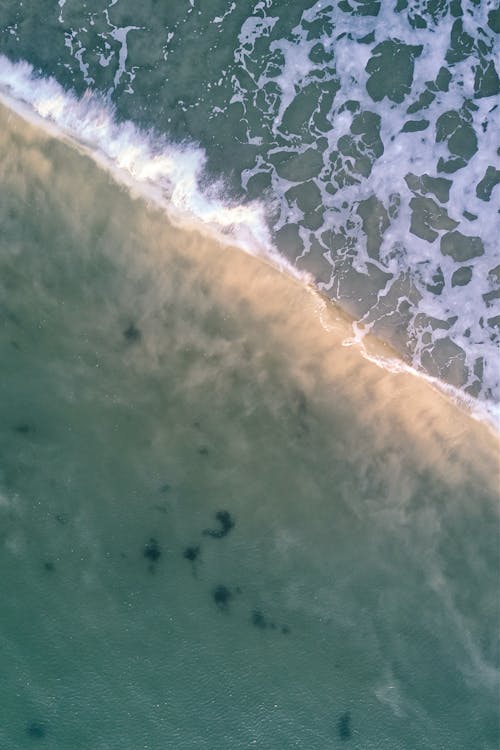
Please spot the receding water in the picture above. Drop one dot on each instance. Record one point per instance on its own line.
(221, 527)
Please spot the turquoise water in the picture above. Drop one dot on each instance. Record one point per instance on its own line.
(220, 526)
(230, 517)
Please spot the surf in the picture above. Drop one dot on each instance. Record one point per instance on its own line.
(168, 175)
(198, 473)
(171, 177)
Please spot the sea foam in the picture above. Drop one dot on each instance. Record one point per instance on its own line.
(364, 234)
(168, 175)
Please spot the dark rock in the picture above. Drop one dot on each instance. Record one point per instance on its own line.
(152, 550)
(344, 726)
(222, 596)
(226, 524)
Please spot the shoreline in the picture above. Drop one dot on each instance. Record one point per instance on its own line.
(369, 346)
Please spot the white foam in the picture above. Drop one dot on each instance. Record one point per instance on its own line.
(254, 28)
(166, 174)
(220, 19)
(76, 48)
(61, 4)
(119, 34)
(170, 176)
(410, 261)
(483, 412)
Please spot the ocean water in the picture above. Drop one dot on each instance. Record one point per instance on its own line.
(357, 139)
(221, 526)
(231, 516)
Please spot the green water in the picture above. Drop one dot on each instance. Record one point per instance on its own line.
(152, 379)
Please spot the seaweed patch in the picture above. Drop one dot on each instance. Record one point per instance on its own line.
(24, 428)
(344, 726)
(132, 334)
(258, 619)
(222, 596)
(152, 551)
(36, 730)
(226, 523)
(300, 403)
(191, 553)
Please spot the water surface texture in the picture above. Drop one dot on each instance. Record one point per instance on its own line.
(220, 525)
(364, 132)
(231, 513)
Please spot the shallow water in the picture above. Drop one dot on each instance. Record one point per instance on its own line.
(153, 378)
(357, 138)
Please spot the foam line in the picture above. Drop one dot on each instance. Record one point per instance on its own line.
(486, 412)
(168, 175)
